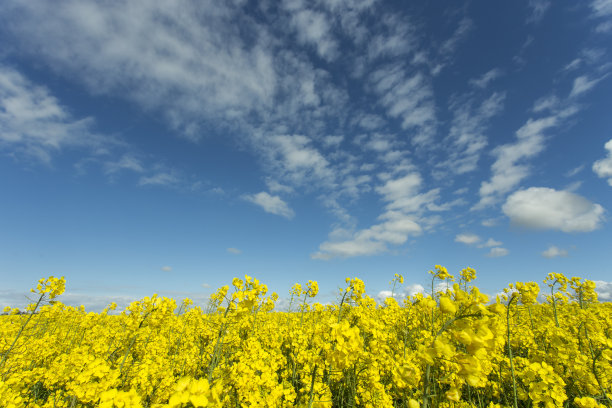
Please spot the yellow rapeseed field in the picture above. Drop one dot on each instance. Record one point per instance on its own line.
(446, 349)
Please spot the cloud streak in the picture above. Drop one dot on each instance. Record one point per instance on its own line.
(271, 204)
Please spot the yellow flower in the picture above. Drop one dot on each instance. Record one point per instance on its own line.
(468, 274)
(447, 305)
(454, 394)
(313, 288)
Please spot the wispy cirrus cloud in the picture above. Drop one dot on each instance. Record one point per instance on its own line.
(602, 9)
(128, 49)
(160, 179)
(271, 204)
(497, 252)
(296, 159)
(468, 239)
(467, 137)
(490, 243)
(583, 84)
(127, 162)
(313, 28)
(34, 124)
(404, 216)
(408, 97)
(485, 79)
(538, 9)
(464, 26)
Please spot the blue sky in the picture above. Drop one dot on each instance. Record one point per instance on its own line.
(152, 146)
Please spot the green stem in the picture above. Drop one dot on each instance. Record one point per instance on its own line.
(303, 309)
(426, 386)
(311, 395)
(23, 326)
(217, 349)
(552, 294)
(512, 298)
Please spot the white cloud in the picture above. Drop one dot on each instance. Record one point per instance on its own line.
(384, 294)
(205, 285)
(497, 252)
(159, 179)
(276, 187)
(352, 186)
(546, 103)
(333, 141)
(271, 204)
(402, 188)
(490, 243)
(603, 167)
(33, 123)
(604, 290)
(546, 208)
(468, 239)
(413, 289)
(314, 28)
(379, 143)
(216, 191)
(374, 240)
(234, 251)
(574, 64)
(553, 252)
(345, 249)
(126, 162)
(296, 159)
(464, 27)
(486, 78)
(538, 9)
(396, 37)
(582, 84)
(489, 222)
(369, 121)
(573, 187)
(166, 268)
(473, 239)
(574, 171)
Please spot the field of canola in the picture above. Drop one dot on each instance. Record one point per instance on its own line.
(455, 349)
